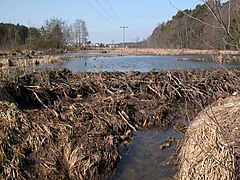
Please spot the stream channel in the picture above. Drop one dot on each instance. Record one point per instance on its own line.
(143, 158)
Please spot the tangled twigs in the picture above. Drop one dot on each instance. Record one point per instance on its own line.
(123, 117)
(68, 126)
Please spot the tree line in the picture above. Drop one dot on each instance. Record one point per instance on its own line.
(205, 27)
(55, 34)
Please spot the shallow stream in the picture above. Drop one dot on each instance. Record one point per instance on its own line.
(143, 158)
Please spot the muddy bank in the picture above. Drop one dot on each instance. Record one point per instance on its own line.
(56, 124)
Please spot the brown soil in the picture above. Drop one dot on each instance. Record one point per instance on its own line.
(59, 125)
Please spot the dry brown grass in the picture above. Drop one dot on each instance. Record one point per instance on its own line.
(36, 144)
(11, 68)
(25, 62)
(211, 148)
(175, 51)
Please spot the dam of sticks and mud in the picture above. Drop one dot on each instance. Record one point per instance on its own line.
(62, 125)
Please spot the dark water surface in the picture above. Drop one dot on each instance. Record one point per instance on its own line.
(95, 62)
(145, 160)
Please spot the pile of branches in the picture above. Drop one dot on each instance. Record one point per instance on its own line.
(56, 124)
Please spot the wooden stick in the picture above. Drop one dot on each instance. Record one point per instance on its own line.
(131, 126)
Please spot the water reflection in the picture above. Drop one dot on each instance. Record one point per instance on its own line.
(96, 63)
(145, 160)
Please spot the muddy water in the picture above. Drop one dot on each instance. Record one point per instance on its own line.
(144, 159)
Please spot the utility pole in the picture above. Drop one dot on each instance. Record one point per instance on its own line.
(123, 27)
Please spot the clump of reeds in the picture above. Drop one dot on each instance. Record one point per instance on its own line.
(211, 148)
(25, 62)
(175, 51)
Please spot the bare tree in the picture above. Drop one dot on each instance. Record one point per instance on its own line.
(232, 32)
(84, 32)
(226, 21)
(68, 33)
(78, 30)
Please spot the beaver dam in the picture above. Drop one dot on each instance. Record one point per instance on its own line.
(60, 125)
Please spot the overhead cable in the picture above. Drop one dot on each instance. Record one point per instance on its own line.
(100, 13)
(114, 12)
(106, 11)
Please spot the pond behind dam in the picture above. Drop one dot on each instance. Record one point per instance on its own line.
(143, 158)
(95, 62)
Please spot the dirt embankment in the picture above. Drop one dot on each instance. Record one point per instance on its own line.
(68, 126)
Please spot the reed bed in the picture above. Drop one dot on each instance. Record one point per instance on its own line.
(211, 148)
(177, 51)
(24, 62)
(55, 124)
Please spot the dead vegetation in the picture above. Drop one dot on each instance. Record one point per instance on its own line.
(159, 51)
(211, 146)
(24, 62)
(56, 124)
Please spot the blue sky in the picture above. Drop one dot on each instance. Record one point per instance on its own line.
(140, 16)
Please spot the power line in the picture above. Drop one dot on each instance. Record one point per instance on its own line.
(112, 22)
(114, 12)
(105, 10)
(100, 13)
